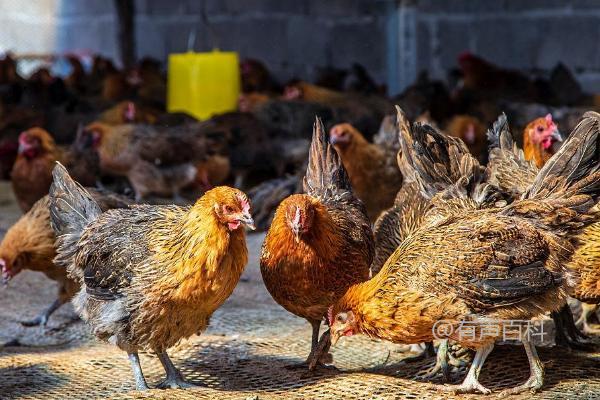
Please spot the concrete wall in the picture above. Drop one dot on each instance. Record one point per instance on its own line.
(291, 36)
(522, 34)
(394, 39)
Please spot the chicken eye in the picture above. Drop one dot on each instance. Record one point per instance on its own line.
(341, 318)
(228, 209)
(540, 129)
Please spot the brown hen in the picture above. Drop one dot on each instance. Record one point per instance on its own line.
(29, 244)
(320, 243)
(32, 172)
(482, 266)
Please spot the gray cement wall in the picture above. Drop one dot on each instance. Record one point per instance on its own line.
(394, 39)
(520, 34)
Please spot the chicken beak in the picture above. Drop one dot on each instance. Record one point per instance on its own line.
(247, 220)
(557, 136)
(23, 147)
(335, 336)
(296, 232)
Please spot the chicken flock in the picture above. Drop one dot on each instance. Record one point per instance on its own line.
(387, 233)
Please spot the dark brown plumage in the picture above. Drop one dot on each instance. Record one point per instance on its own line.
(442, 162)
(320, 242)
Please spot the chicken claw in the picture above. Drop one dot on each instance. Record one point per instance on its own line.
(174, 380)
(471, 383)
(42, 318)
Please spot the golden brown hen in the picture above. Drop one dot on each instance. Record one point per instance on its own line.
(482, 267)
(29, 244)
(150, 275)
(319, 243)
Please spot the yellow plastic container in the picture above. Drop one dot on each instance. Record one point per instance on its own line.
(203, 84)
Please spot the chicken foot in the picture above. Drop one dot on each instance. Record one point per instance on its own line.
(471, 383)
(318, 350)
(42, 318)
(321, 355)
(174, 380)
(567, 333)
(138, 375)
(536, 368)
(444, 359)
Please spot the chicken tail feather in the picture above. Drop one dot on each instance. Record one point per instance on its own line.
(72, 208)
(572, 175)
(325, 169)
(437, 162)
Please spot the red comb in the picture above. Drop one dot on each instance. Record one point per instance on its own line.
(330, 315)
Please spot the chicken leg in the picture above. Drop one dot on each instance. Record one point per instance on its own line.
(42, 318)
(441, 362)
(586, 312)
(536, 368)
(138, 375)
(567, 333)
(471, 383)
(174, 380)
(316, 326)
(444, 359)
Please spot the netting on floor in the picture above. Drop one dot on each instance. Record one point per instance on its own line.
(243, 357)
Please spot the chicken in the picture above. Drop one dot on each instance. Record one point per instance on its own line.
(491, 81)
(364, 112)
(482, 266)
(31, 175)
(513, 173)
(256, 77)
(299, 90)
(213, 171)
(150, 275)
(471, 131)
(155, 161)
(539, 137)
(126, 112)
(29, 244)
(319, 243)
(410, 207)
(372, 170)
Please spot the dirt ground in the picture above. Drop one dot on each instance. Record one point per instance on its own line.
(243, 354)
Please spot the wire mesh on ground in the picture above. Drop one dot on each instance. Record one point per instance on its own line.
(232, 362)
